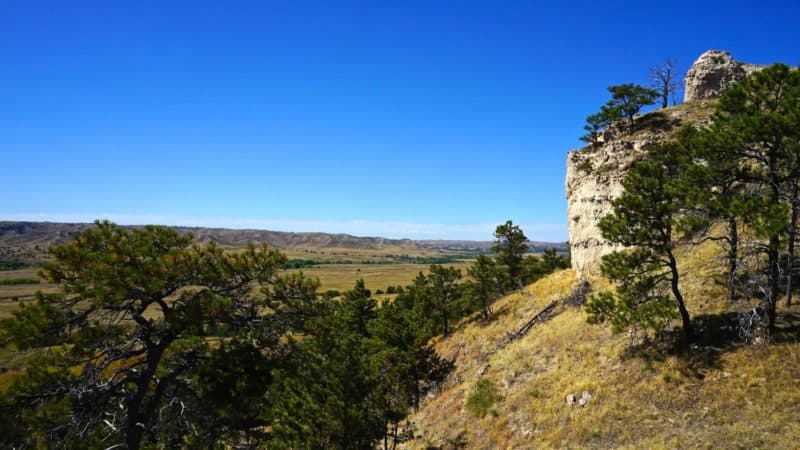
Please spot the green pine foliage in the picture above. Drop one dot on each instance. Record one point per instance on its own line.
(509, 247)
(630, 98)
(648, 216)
(742, 171)
(154, 341)
(487, 282)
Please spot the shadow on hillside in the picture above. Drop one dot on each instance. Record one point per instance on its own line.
(788, 327)
(495, 313)
(654, 121)
(715, 334)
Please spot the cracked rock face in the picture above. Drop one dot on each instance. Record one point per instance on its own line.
(594, 179)
(712, 73)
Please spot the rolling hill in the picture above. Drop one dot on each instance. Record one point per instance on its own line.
(29, 241)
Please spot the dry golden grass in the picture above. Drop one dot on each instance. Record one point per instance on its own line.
(739, 396)
(342, 277)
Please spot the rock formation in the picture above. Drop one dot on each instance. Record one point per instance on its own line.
(594, 178)
(594, 173)
(712, 73)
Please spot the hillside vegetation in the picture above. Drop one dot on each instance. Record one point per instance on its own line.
(720, 393)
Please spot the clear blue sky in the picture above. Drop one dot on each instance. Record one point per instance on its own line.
(403, 119)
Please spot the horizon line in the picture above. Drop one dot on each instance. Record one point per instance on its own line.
(536, 231)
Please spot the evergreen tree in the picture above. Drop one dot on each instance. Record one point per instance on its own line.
(597, 122)
(629, 99)
(647, 217)
(351, 383)
(443, 292)
(759, 119)
(142, 344)
(509, 246)
(714, 188)
(487, 282)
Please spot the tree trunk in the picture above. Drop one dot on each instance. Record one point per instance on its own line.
(790, 238)
(733, 257)
(386, 434)
(774, 284)
(133, 430)
(688, 331)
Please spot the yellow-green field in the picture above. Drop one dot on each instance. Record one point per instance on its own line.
(21, 291)
(340, 277)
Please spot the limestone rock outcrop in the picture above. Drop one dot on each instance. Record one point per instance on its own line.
(594, 178)
(712, 73)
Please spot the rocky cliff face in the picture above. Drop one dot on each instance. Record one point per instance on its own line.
(594, 174)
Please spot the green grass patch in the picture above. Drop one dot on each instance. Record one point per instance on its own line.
(482, 398)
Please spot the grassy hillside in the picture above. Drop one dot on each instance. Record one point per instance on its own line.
(722, 393)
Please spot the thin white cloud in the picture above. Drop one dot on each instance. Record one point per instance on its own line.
(391, 229)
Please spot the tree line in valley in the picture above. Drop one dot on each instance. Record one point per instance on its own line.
(155, 341)
(736, 182)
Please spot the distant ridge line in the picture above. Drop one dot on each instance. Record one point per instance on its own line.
(38, 236)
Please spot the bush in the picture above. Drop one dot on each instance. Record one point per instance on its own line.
(16, 281)
(482, 398)
(11, 265)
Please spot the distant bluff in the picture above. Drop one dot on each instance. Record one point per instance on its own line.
(594, 174)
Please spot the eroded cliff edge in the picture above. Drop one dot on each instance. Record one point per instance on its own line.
(594, 173)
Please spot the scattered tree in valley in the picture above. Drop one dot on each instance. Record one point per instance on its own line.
(509, 247)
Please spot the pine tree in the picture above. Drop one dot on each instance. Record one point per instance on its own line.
(125, 351)
(509, 247)
(443, 292)
(487, 282)
(759, 119)
(646, 217)
(664, 77)
(629, 98)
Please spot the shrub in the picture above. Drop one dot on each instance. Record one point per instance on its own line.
(482, 398)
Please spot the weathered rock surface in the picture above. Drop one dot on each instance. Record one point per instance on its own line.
(712, 73)
(593, 180)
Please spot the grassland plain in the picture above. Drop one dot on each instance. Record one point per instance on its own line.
(340, 277)
(720, 394)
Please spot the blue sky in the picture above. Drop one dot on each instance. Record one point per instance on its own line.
(404, 119)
